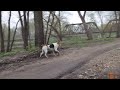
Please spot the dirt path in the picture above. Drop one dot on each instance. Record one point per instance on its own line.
(59, 66)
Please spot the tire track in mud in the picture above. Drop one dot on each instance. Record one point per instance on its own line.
(86, 60)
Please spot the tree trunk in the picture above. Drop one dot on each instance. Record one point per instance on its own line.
(39, 29)
(55, 30)
(45, 38)
(8, 43)
(118, 29)
(58, 32)
(14, 35)
(117, 23)
(88, 32)
(22, 28)
(36, 27)
(1, 34)
(48, 38)
(60, 27)
(110, 31)
(25, 30)
(101, 20)
(28, 28)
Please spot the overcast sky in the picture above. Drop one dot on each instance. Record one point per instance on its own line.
(72, 17)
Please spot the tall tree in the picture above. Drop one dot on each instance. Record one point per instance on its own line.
(8, 41)
(26, 31)
(54, 25)
(39, 29)
(88, 32)
(117, 15)
(28, 28)
(1, 34)
(50, 31)
(101, 20)
(59, 33)
(14, 35)
(45, 37)
(60, 25)
(24, 28)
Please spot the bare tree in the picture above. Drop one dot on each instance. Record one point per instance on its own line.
(1, 34)
(26, 31)
(14, 34)
(101, 20)
(45, 38)
(109, 16)
(53, 21)
(28, 28)
(60, 32)
(88, 32)
(117, 15)
(57, 30)
(48, 38)
(60, 24)
(24, 27)
(110, 31)
(8, 43)
(53, 28)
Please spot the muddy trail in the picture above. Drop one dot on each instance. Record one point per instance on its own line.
(55, 67)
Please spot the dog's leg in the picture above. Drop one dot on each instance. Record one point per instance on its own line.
(54, 53)
(57, 51)
(41, 53)
(46, 53)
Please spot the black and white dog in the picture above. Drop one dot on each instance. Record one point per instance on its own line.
(52, 47)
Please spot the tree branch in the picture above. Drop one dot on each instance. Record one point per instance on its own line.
(14, 34)
(84, 14)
